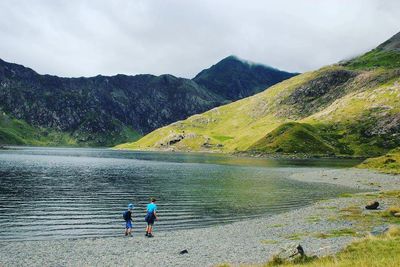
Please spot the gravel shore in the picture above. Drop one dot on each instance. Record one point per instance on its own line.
(252, 241)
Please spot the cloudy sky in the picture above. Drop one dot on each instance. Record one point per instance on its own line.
(86, 38)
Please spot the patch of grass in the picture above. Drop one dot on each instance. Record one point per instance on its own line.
(352, 211)
(393, 193)
(295, 236)
(372, 194)
(333, 219)
(313, 219)
(346, 195)
(222, 138)
(391, 211)
(276, 225)
(337, 233)
(327, 207)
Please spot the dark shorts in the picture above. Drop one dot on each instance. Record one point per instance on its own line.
(150, 218)
(128, 225)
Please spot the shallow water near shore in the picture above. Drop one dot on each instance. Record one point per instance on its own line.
(53, 193)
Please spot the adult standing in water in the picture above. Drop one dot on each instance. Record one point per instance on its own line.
(151, 216)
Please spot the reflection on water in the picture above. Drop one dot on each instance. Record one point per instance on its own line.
(71, 193)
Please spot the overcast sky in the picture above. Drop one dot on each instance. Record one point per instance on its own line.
(86, 38)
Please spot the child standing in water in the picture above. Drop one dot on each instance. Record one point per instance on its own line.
(151, 216)
(128, 220)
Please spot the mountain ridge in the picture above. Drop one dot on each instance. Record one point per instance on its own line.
(99, 110)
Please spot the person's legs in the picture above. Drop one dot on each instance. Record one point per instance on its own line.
(128, 228)
(150, 229)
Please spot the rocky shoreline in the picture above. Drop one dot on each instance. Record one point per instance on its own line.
(318, 228)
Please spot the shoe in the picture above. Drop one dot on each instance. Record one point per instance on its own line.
(147, 234)
(150, 235)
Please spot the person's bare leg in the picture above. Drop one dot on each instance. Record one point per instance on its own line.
(126, 232)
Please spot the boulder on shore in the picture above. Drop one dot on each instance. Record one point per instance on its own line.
(289, 253)
(372, 205)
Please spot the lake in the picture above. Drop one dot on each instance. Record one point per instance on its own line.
(53, 193)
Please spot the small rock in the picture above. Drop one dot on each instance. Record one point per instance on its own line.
(397, 214)
(289, 253)
(379, 230)
(372, 205)
(185, 251)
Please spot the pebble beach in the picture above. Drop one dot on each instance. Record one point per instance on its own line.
(252, 241)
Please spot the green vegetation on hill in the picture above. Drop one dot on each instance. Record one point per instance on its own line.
(18, 132)
(350, 109)
(375, 59)
(389, 163)
(292, 137)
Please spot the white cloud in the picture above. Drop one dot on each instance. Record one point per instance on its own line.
(86, 38)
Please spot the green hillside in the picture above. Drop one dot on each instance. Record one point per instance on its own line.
(18, 132)
(343, 109)
(389, 163)
(293, 137)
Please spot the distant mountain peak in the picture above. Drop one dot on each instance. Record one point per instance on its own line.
(239, 60)
(393, 44)
(236, 78)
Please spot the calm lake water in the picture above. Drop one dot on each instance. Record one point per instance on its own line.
(52, 193)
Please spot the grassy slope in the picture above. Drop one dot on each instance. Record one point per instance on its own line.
(240, 125)
(389, 163)
(18, 132)
(292, 137)
(376, 58)
(368, 252)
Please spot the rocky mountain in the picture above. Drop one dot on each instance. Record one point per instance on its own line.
(101, 110)
(234, 78)
(351, 108)
(393, 44)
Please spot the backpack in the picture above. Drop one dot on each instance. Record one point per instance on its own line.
(125, 215)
